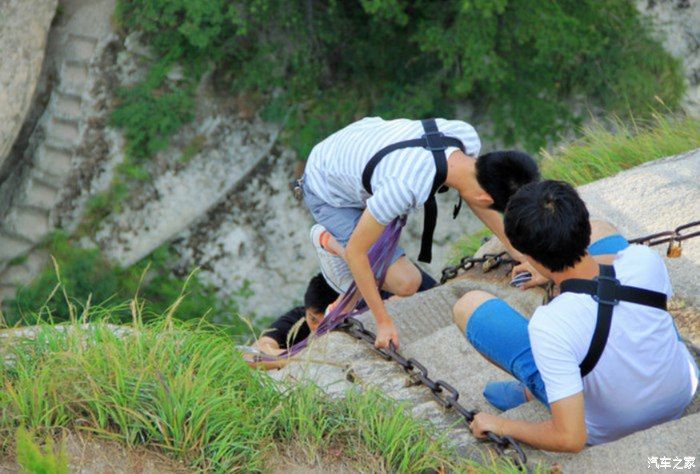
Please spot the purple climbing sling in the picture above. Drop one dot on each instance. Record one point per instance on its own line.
(379, 258)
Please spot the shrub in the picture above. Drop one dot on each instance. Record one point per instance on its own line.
(149, 113)
(525, 67)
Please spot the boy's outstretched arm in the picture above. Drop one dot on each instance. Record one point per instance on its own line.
(366, 233)
(564, 432)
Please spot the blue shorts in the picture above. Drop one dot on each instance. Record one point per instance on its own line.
(499, 332)
(339, 221)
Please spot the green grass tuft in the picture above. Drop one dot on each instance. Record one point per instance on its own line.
(601, 152)
(183, 389)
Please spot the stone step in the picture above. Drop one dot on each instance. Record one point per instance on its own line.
(54, 160)
(40, 195)
(448, 356)
(65, 130)
(675, 439)
(335, 359)
(74, 76)
(45, 179)
(12, 244)
(81, 47)
(421, 314)
(29, 222)
(24, 272)
(653, 197)
(66, 105)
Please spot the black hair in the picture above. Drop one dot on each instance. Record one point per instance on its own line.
(502, 173)
(549, 222)
(319, 294)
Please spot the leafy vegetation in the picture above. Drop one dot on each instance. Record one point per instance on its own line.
(150, 112)
(333, 62)
(184, 389)
(84, 277)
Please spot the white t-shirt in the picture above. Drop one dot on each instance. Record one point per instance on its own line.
(645, 375)
(401, 182)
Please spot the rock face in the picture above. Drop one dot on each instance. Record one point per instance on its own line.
(24, 26)
(179, 198)
(227, 207)
(678, 27)
(34, 184)
(257, 239)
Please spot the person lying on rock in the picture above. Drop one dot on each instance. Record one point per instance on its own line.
(362, 177)
(599, 385)
(295, 325)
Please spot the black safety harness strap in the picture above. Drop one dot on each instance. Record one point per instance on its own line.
(434, 141)
(607, 291)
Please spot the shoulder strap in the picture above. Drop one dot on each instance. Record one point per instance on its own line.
(607, 292)
(434, 141)
(603, 320)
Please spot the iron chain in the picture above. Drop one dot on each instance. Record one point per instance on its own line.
(492, 260)
(677, 235)
(488, 261)
(444, 393)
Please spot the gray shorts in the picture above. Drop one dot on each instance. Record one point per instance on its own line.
(339, 221)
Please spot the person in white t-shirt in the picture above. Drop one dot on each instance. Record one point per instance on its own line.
(645, 374)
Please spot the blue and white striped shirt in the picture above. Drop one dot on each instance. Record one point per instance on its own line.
(403, 179)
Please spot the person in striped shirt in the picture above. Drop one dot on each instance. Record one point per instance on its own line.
(401, 184)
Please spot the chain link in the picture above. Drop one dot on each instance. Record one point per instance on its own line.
(672, 237)
(490, 261)
(444, 393)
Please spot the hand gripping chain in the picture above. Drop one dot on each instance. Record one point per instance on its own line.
(444, 393)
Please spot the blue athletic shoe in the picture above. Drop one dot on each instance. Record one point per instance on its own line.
(505, 395)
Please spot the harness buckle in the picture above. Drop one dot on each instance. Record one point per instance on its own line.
(432, 145)
(607, 290)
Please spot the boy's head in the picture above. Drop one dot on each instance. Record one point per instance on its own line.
(317, 297)
(501, 173)
(549, 223)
